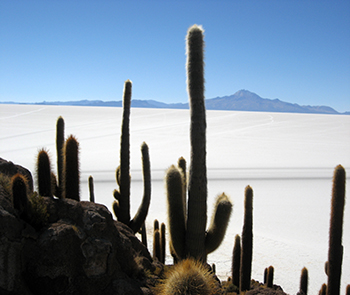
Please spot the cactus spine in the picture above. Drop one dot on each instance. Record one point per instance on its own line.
(43, 172)
(335, 250)
(236, 261)
(304, 281)
(187, 232)
(71, 184)
(59, 151)
(121, 206)
(247, 240)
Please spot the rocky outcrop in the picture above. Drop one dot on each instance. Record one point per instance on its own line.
(8, 168)
(79, 250)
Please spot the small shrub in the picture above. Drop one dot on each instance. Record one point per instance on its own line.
(39, 216)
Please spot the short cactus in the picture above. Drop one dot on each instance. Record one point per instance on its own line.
(269, 277)
(71, 187)
(91, 189)
(323, 290)
(43, 172)
(156, 245)
(236, 261)
(162, 243)
(304, 277)
(19, 194)
(335, 250)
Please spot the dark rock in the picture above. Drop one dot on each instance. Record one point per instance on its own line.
(10, 169)
(81, 250)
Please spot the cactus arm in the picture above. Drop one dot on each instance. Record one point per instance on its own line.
(124, 202)
(71, 187)
(59, 151)
(247, 241)
(136, 223)
(336, 231)
(197, 186)
(219, 222)
(176, 215)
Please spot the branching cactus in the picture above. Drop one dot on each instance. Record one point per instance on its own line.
(43, 173)
(71, 175)
(335, 250)
(59, 151)
(121, 206)
(188, 236)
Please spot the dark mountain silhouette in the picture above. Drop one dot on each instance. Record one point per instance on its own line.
(242, 100)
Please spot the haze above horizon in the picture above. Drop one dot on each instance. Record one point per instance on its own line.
(296, 51)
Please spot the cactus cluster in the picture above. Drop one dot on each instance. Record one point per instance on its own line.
(159, 241)
(67, 184)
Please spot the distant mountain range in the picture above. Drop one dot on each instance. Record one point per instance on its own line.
(242, 100)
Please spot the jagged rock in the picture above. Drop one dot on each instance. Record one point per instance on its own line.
(80, 250)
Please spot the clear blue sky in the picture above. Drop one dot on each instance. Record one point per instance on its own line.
(296, 50)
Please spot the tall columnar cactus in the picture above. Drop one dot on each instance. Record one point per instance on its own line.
(236, 261)
(71, 175)
(197, 184)
(121, 206)
(19, 188)
(188, 232)
(43, 173)
(304, 277)
(335, 250)
(247, 240)
(59, 151)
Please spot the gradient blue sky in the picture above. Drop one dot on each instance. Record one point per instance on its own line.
(297, 50)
